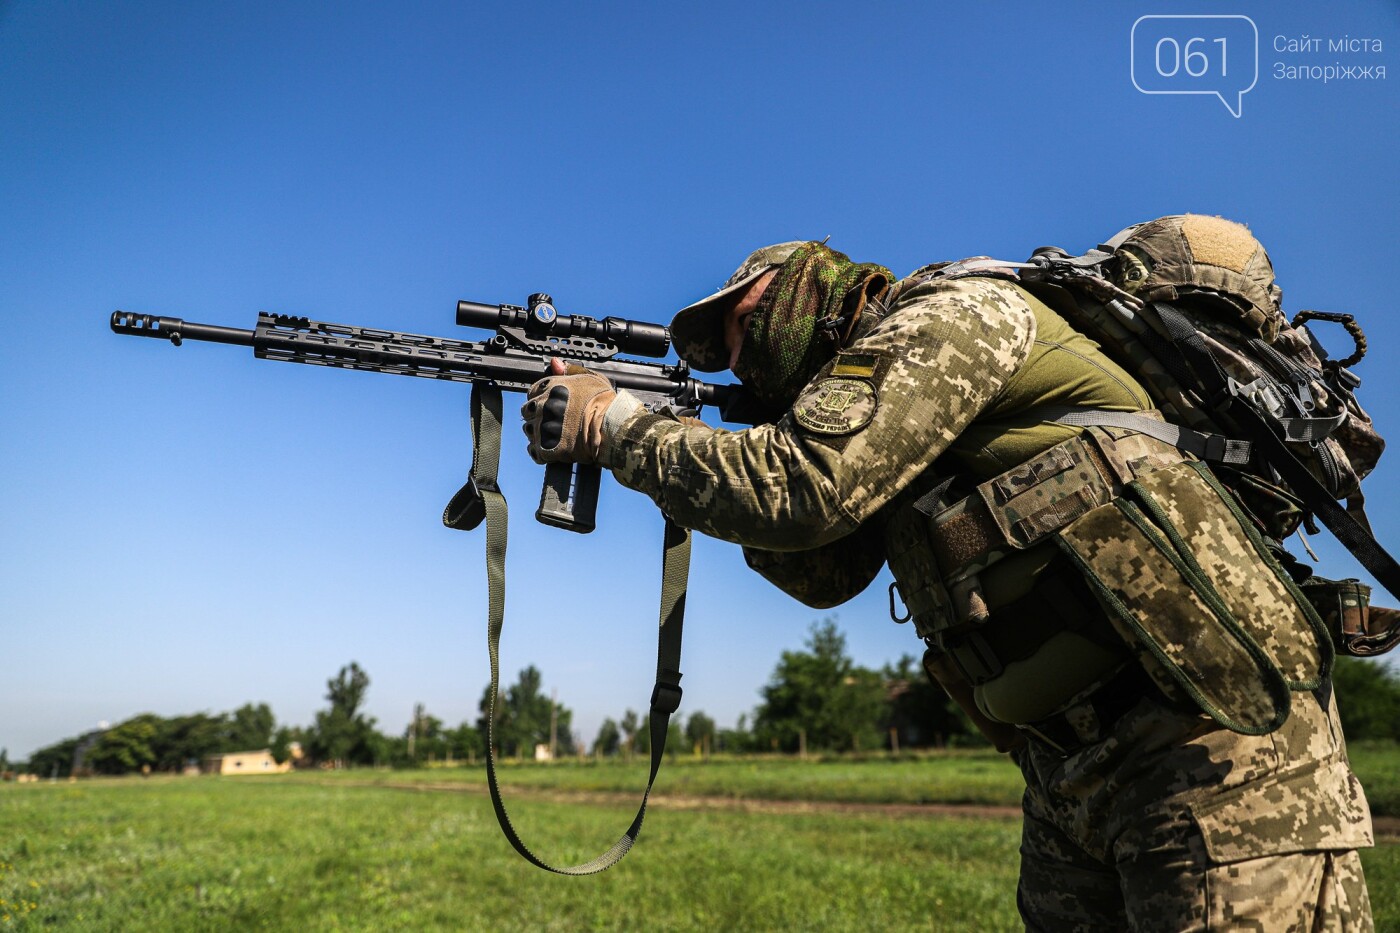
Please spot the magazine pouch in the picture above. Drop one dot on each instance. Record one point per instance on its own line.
(1188, 582)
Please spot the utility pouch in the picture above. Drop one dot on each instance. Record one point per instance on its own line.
(1275, 510)
(941, 670)
(919, 582)
(1188, 582)
(1357, 628)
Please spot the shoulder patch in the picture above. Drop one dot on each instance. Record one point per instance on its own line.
(837, 405)
(855, 364)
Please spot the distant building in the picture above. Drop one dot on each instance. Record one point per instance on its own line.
(258, 762)
(542, 753)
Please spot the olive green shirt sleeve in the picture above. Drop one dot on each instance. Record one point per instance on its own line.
(944, 351)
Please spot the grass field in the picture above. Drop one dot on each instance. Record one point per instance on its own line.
(1378, 766)
(971, 777)
(216, 853)
(421, 850)
(962, 777)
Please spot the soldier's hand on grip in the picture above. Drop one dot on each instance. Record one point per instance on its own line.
(563, 415)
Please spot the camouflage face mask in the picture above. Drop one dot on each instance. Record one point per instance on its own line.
(802, 318)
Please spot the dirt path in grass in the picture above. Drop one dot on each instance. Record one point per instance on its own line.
(1387, 827)
(697, 802)
(750, 805)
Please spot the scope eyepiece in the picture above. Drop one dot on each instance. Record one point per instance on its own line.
(639, 337)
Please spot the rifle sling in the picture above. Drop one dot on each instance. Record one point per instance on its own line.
(666, 694)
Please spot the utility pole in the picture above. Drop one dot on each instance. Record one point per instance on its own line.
(553, 721)
(413, 729)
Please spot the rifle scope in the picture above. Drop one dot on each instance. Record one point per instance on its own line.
(541, 322)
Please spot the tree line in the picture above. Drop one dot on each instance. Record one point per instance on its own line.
(341, 735)
(817, 699)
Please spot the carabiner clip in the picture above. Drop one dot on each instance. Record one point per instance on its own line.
(894, 613)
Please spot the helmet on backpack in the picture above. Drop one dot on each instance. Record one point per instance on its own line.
(1187, 257)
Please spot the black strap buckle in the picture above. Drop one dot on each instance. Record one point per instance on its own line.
(666, 695)
(1214, 451)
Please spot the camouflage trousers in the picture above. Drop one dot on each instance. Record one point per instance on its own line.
(1170, 822)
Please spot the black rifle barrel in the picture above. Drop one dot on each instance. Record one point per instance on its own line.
(175, 329)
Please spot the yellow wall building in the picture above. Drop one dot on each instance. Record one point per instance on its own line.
(258, 762)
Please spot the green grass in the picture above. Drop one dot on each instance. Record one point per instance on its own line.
(1377, 764)
(210, 853)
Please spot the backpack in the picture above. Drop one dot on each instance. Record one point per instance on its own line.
(1188, 304)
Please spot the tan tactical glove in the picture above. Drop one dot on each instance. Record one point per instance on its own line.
(564, 416)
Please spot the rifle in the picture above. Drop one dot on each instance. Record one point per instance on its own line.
(512, 359)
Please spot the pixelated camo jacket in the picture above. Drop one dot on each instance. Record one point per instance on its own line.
(870, 422)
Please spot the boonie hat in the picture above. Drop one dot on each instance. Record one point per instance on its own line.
(697, 331)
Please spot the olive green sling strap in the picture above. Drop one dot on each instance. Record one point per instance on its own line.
(666, 695)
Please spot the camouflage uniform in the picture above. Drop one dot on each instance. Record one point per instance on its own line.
(1138, 810)
(1170, 822)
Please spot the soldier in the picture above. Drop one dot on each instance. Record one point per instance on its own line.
(913, 422)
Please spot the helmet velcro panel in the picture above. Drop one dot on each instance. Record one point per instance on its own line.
(1199, 256)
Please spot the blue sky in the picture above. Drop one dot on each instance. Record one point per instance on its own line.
(191, 529)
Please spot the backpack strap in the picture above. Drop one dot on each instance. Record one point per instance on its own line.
(1271, 449)
(1118, 239)
(1216, 448)
(1043, 258)
(978, 264)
